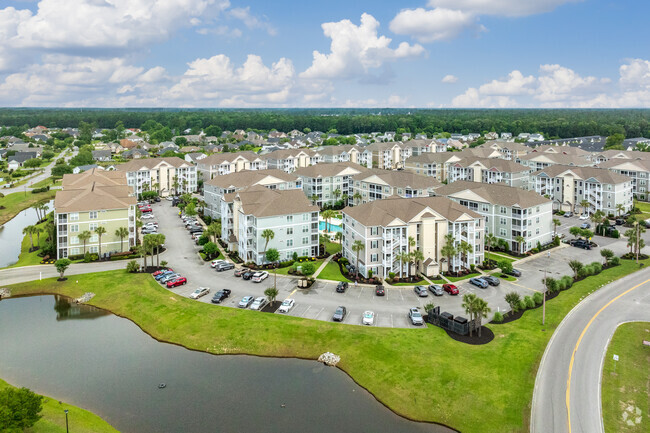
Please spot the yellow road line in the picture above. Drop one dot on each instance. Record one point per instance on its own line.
(294, 291)
(575, 349)
(524, 287)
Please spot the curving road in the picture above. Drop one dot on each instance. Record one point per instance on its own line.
(567, 388)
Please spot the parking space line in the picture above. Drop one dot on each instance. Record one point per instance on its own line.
(360, 292)
(392, 325)
(524, 287)
(305, 312)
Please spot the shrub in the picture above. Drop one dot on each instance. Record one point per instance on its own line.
(513, 299)
(203, 239)
(561, 285)
(534, 250)
(583, 272)
(596, 267)
(498, 317)
(87, 258)
(556, 241)
(529, 302)
(506, 266)
(132, 266)
(538, 298)
(163, 263)
(615, 261)
(522, 305)
(568, 281)
(472, 267)
(391, 275)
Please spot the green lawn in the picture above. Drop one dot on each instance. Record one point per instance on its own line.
(26, 258)
(465, 277)
(333, 247)
(492, 387)
(500, 257)
(285, 270)
(498, 274)
(332, 272)
(644, 208)
(53, 418)
(46, 182)
(417, 283)
(19, 201)
(627, 385)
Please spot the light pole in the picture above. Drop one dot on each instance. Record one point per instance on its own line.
(548, 256)
(66, 421)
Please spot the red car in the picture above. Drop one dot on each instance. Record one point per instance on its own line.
(145, 209)
(450, 288)
(162, 271)
(176, 282)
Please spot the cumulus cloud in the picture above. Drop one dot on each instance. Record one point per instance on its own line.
(356, 50)
(509, 8)
(449, 79)
(514, 84)
(251, 21)
(434, 24)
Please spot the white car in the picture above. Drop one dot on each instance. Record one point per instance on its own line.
(368, 318)
(286, 305)
(214, 263)
(258, 277)
(201, 291)
(147, 216)
(584, 216)
(169, 198)
(259, 303)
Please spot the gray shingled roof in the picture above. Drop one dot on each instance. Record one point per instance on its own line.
(602, 175)
(329, 169)
(262, 202)
(399, 178)
(495, 193)
(249, 177)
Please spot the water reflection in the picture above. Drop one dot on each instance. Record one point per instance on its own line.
(66, 309)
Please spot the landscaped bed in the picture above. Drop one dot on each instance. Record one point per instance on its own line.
(394, 364)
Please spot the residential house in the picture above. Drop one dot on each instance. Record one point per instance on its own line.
(195, 157)
(569, 186)
(20, 157)
(385, 226)
(325, 184)
(376, 184)
(82, 168)
(168, 176)
(214, 189)
(135, 153)
(508, 212)
(92, 199)
(102, 155)
(226, 163)
(288, 213)
(346, 153)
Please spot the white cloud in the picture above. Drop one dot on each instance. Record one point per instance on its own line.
(250, 21)
(509, 8)
(449, 79)
(515, 84)
(356, 50)
(472, 98)
(434, 24)
(635, 74)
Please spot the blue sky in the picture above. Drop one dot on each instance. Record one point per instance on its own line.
(230, 53)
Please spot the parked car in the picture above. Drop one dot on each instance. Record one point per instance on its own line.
(515, 273)
(246, 301)
(287, 305)
(146, 209)
(341, 287)
(260, 276)
(492, 281)
(581, 243)
(568, 214)
(221, 295)
(163, 275)
(436, 289)
(339, 314)
(201, 291)
(147, 216)
(259, 303)
(620, 221)
(149, 231)
(368, 318)
(196, 236)
(379, 291)
(450, 288)
(421, 291)
(215, 262)
(416, 317)
(584, 216)
(162, 271)
(169, 278)
(176, 282)
(479, 282)
(585, 226)
(224, 267)
(239, 272)
(248, 274)
(196, 230)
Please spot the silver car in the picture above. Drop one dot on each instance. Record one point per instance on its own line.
(246, 301)
(436, 290)
(421, 291)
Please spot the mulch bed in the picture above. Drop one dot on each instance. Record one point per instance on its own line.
(271, 307)
(511, 317)
(486, 336)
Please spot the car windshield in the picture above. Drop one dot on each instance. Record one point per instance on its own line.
(286, 303)
(339, 311)
(368, 314)
(415, 314)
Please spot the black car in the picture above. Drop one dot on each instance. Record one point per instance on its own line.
(341, 287)
(156, 199)
(581, 243)
(515, 273)
(620, 221)
(248, 275)
(220, 296)
(379, 291)
(339, 314)
(492, 281)
(224, 267)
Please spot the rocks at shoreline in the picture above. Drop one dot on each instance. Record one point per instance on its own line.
(5, 293)
(329, 358)
(85, 298)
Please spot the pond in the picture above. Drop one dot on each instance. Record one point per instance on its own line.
(106, 364)
(11, 235)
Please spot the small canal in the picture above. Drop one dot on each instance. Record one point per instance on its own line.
(11, 235)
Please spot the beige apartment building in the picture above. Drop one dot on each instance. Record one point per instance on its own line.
(168, 176)
(389, 155)
(377, 184)
(220, 164)
(92, 199)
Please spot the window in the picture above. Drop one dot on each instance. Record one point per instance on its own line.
(94, 238)
(537, 220)
(374, 244)
(74, 251)
(305, 241)
(289, 218)
(305, 229)
(537, 231)
(74, 227)
(503, 221)
(537, 210)
(74, 216)
(374, 257)
(92, 227)
(503, 210)
(290, 231)
(74, 240)
(502, 232)
(485, 208)
(289, 242)
(92, 215)
(94, 250)
(305, 217)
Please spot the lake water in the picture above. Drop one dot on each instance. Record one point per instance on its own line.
(106, 364)
(11, 235)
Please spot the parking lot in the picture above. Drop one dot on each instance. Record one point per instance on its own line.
(321, 300)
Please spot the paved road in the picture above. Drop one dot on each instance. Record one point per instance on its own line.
(573, 358)
(47, 172)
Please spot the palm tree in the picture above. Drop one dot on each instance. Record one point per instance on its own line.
(556, 224)
(620, 209)
(338, 236)
(267, 235)
(607, 254)
(403, 257)
(327, 215)
(175, 185)
(336, 193)
(357, 197)
(38, 230)
(490, 240)
(314, 198)
(345, 198)
(138, 224)
(598, 218)
(84, 236)
(465, 249)
(29, 230)
(503, 244)
(357, 247)
(584, 204)
(520, 241)
(468, 304)
(158, 241)
(481, 310)
(101, 230)
(273, 256)
(271, 293)
(418, 257)
(121, 233)
(213, 231)
(449, 250)
(148, 244)
(575, 266)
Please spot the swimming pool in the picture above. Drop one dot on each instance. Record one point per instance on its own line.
(332, 227)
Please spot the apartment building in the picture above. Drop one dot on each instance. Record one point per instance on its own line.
(540, 160)
(389, 155)
(509, 212)
(220, 164)
(385, 226)
(289, 160)
(420, 146)
(568, 186)
(637, 169)
(288, 213)
(92, 199)
(509, 150)
(325, 184)
(346, 153)
(434, 165)
(168, 176)
(377, 184)
(489, 170)
(214, 189)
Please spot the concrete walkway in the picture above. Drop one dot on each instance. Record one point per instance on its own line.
(322, 266)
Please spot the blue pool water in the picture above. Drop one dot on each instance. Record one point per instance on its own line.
(332, 227)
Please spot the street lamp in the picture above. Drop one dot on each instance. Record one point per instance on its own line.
(66, 421)
(548, 256)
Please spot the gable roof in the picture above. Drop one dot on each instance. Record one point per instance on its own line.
(262, 202)
(251, 177)
(602, 175)
(399, 178)
(149, 163)
(495, 193)
(331, 169)
(229, 157)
